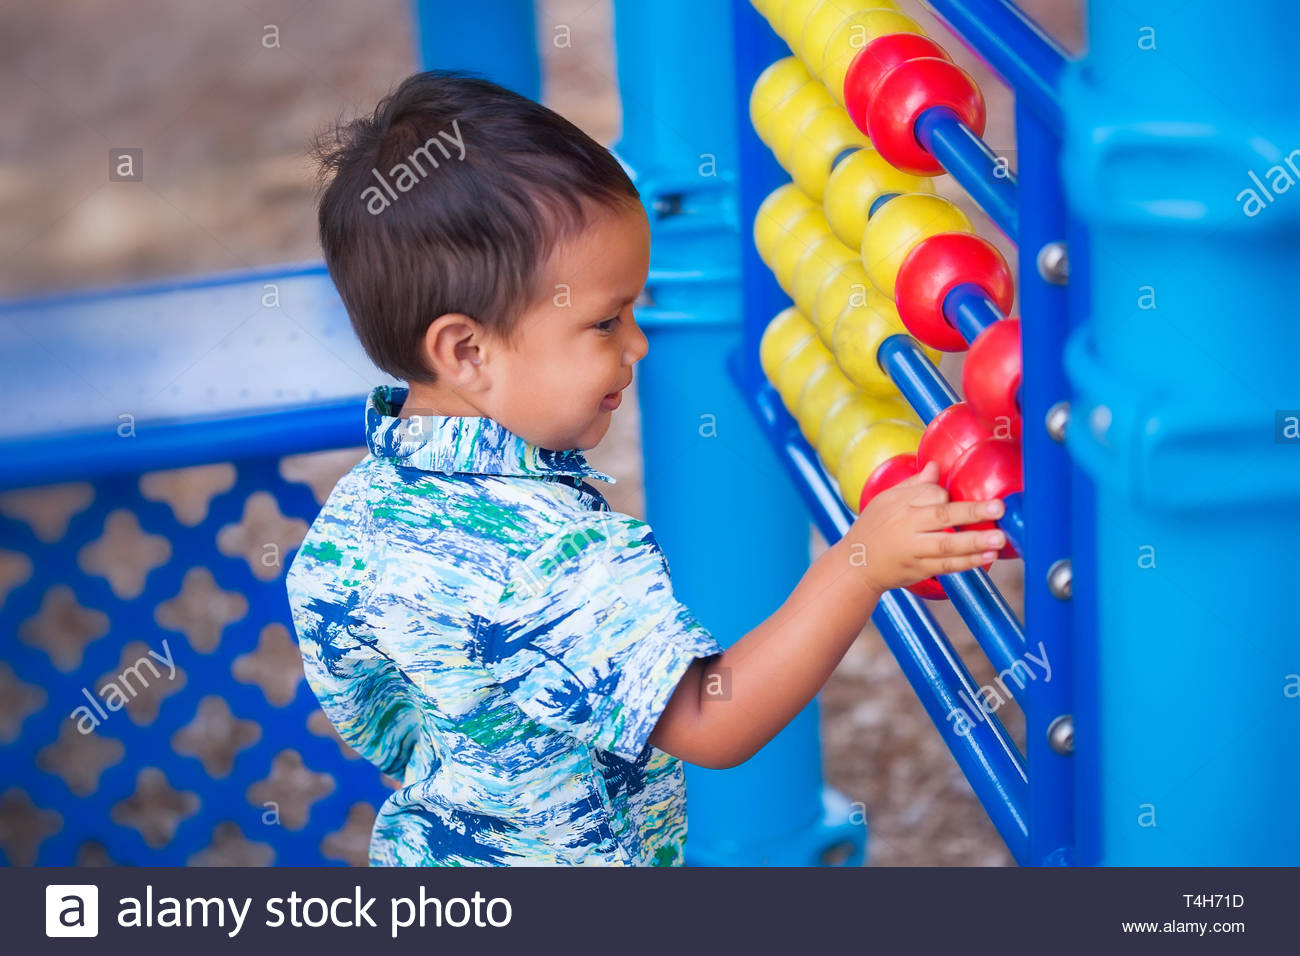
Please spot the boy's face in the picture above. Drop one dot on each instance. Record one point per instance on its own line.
(556, 384)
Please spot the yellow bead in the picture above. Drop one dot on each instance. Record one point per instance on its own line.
(855, 183)
(768, 8)
(783, 335)
(790, 22)
(868, 450)
(846, 285)
(791, 114)
(820, 26)
(792, 374)
(859, 331)
(823, 257)
(773, 86)
(774, 215)
(824, 389)
(854, 414)
(850, 36)
(801, 233)
(899, 225)
(825, 135)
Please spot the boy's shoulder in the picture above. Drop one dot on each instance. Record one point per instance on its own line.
(483, 523)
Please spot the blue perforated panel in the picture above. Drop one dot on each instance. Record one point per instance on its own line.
(42, 674)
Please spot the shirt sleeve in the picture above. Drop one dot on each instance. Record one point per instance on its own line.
(362, 691)
(587, 637)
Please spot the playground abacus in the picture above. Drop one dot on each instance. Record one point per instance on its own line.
(861, 112)
(872, 258)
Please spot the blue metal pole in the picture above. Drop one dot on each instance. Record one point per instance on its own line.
(1187, 361)
(976, 167)
(924, 387)
(707, 465)
(970, 311)
(497, 38)
(1051, 506)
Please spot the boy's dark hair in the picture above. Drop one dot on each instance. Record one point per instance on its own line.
(498, 180)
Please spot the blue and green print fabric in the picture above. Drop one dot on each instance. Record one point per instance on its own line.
(478, 624)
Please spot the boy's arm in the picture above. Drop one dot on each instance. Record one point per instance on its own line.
(727, 707)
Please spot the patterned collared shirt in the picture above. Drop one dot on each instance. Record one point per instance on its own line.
(478, 624)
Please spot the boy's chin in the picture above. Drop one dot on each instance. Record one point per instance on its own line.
(592, 436)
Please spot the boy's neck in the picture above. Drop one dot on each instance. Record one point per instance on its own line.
(435, 400)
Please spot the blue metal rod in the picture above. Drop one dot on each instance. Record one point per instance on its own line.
(1014, 47)
(985, 753)
(976, 592)
(181, 442)
(970, 311)
(979, 170)
(916, 377)
(1013, 521)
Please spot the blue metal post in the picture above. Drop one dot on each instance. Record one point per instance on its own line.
(1047, 499)
(1185, 372)
(721, 505)
(497, 38)
(1031, 63)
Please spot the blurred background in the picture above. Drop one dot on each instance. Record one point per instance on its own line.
(223, 101)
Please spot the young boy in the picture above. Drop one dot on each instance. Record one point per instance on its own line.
(473, 618)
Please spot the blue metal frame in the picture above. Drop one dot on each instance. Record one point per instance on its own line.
(1173, 172)
(1013, 46)
(498, 37)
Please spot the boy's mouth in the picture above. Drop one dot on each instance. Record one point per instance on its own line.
(612, 400)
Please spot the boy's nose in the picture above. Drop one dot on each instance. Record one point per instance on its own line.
(639, 345)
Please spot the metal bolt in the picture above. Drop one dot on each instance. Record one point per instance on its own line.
(1058, 416)
(1060, 734)
(1054, 263)
(1060, 579)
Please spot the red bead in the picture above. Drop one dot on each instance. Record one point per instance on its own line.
(952, 431)
(887, 474)
(989, 469)
(991, 378)
(907, 91)
(937, 265)
(876, 59)
(930, 589)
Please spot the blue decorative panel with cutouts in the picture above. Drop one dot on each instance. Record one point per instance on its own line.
(170, 452)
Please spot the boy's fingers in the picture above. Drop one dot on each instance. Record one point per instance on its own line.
(927, 495)
(947, 514)
(932, 567)
(960, 544)
(930, 473)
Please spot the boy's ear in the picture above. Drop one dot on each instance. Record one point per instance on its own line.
(452, 348)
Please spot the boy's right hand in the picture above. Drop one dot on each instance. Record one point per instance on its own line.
(900, 537)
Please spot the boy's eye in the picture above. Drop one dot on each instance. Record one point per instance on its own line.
(608, 324)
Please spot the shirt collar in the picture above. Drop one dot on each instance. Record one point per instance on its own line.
(451, 444)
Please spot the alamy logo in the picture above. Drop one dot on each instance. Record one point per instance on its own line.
(71, 909)
(405, 176)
